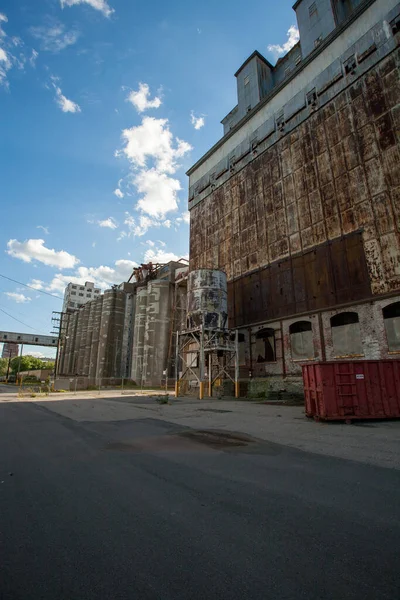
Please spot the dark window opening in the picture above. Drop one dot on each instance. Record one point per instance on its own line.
(280, 122)
(350, 65)
(301, 340)
(312, 98)
(265, 350)
(395, 25)
(391, 317)
(346, 335)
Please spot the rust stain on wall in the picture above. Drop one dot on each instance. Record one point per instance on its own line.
(300, 205)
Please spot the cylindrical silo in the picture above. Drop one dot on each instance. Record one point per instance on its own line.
(89, 336)
(70, 343)
(127, 339)
(84, 328)
(77, 344)
(98, 307)
(207, 299)
(157, 331)
(111, 333)
(138, 335)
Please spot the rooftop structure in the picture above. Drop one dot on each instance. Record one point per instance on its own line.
(77, 295)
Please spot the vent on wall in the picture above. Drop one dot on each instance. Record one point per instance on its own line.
(312, 9)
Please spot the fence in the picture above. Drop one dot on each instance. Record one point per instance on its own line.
(123, 385)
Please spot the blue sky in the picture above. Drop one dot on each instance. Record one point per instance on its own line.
(104, 104)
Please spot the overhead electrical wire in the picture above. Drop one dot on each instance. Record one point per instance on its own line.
(30, 287)
(22, 323)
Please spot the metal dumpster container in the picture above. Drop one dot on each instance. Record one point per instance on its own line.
(349, 390)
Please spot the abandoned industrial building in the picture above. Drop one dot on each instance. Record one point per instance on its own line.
(126, 333)
(299, 202)
(294, 227)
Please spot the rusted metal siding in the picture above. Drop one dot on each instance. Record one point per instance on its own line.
(330, 274)
(337, 173)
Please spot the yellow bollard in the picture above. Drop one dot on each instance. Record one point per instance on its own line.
(201, 391)
(237, 389)
(176, 389)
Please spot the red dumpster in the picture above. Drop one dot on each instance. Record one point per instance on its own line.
(349, 390)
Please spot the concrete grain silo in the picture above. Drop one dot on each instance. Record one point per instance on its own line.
(157, 331)
(138, 335)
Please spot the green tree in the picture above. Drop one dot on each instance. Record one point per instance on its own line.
(48, 364)
(3, 366)
(28, 363)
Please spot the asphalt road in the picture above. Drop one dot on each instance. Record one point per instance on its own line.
(136, 510)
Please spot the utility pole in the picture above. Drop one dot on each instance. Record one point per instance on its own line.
(58, 323)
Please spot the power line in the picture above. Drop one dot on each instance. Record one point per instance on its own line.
(22, 323)
(30, 287)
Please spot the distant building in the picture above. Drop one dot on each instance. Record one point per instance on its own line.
(299, 201)
(76, 295)
(10, 350)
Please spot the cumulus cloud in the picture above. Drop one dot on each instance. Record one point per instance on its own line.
(110, 223)
(35, 250)
(158, 192)
(102, 276)
(197, 122)
(154, 154)
(141, 99)
(153, 140)
(139, 226)
(293, 36)
(37, 284)
(53, 36)
(18, 298)
(158, 254)
(118, 193)
(101, 5)
(66, 105)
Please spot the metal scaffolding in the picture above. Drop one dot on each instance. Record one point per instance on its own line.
(206, 356)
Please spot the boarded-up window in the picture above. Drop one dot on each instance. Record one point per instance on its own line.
(301, 340)
(346, 335)
(391, 316)
(265, 346)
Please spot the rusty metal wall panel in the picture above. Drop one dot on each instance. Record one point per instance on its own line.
(336, 173)
(330, 274)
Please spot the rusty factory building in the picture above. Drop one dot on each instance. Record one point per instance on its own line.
(299, 202)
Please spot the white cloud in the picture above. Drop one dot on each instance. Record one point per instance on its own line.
(101, 5)
(197, 122)
(160, 255)
(110, 223)
(186, 217)
(118, 193)
(33, 58)
(66, 105)
(154, 140)
(44, 229)
(93, 244)
(102, 276)
(293, 37)
(34, 249)
(158, 193)
(54, 37)
(141, 98)
(5, 58)
(18, 298)
(37, 284)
